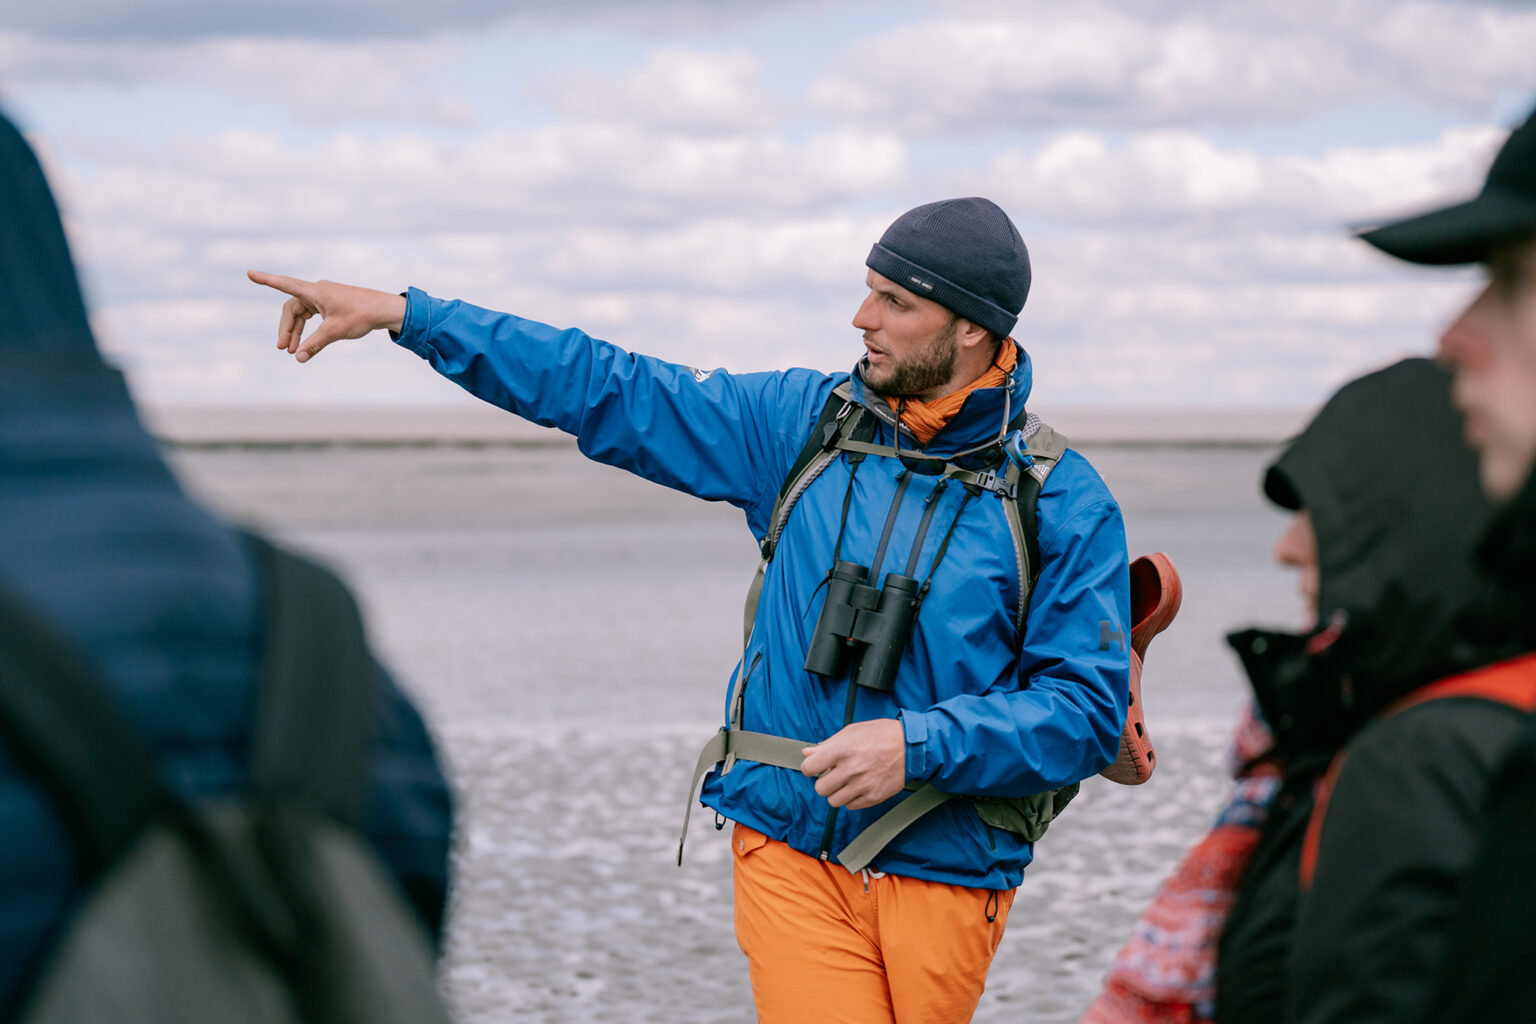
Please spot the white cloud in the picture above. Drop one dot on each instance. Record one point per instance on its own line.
(563, 175)
(1164, 263)
(318, 82)
(675, 89)
(1045, 64)
(145, 20)
(693, 204)
(1083, 177)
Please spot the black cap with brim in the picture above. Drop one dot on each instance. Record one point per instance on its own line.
(1465, 233)
(1504, 213)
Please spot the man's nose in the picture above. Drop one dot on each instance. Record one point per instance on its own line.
(864, 319)
(1464, 344)
(1291, 545)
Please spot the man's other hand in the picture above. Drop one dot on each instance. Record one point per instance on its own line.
(860, 765)
(346, 311)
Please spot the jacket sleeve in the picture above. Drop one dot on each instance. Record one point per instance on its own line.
(1392, 850)
(715, 435)
(1060, 721)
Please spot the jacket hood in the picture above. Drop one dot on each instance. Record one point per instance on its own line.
(44, 311)
(1393, 494)
(59, 400)
(980, 418)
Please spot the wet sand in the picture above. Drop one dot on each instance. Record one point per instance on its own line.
(568, 631)
(571, 906)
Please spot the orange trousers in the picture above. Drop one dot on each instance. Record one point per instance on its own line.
(827, 947)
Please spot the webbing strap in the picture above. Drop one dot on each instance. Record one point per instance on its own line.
(749, 746)
(818, 453)
(749, 610)
(1511, 682)
(784, 752)
(877, 835)
(1046, 447)
(788, 753)
(317, 710)
(63, 727)
(315, 718)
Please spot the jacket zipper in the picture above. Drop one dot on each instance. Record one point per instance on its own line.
(826, 833)
(902, 484)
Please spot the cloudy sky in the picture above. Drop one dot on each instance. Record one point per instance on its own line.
(701, 179)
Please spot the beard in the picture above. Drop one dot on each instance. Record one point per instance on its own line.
(919, 373)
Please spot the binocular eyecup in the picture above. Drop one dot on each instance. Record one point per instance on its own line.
(859, 621)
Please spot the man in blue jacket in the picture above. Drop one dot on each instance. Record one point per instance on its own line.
(159, 597)
(982, 702)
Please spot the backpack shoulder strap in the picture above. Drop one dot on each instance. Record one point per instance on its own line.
(64, 727)
(839, 416)
(318, 707)
(1511, 682)
(819, 450)
(1028, 466)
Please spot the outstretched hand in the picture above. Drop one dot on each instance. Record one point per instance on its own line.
(346, 311)
(860, 765)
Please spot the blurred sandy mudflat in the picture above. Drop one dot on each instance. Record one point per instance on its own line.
(569, 629)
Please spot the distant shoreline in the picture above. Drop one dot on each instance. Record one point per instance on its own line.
(292, 427)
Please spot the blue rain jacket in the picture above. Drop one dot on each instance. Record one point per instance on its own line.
(155, 592)
(982, 714)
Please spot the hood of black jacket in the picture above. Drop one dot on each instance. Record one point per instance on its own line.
(44, 312)
(1392, 490)
(60, 402)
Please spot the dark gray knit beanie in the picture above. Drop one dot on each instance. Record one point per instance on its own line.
(964, 254)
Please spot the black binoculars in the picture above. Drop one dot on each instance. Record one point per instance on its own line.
(863, 622)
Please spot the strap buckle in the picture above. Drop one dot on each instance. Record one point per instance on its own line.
(834, 430)
(989, 480)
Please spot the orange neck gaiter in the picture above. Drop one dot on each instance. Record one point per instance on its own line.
(925, 419)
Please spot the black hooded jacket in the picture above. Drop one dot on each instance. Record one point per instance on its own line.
(1392, 491)
(1486, 974)
(96, 535)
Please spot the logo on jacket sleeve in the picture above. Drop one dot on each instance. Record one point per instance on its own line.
(701, 375)
(1110, 636)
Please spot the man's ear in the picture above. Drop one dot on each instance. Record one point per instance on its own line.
(972, 337)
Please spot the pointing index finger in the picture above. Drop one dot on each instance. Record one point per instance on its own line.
(292, 285)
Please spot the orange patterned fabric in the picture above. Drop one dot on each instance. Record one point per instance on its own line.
(926, 419)
(1166, 972)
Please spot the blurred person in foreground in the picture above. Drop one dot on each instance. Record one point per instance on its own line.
(1386, 511)
(1491, 346)
(160, 597)
(999, 692)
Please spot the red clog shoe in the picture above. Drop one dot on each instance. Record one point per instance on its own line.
(1156, 593)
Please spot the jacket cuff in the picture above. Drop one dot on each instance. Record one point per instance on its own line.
(914, 726)
(418, 318)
